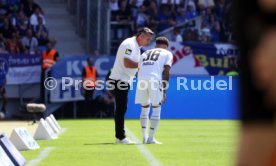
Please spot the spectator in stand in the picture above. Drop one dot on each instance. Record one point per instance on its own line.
(203, 4)
(205, 35)
(14, 4)
(3, 45)
(181, 17)
(41, 32)
(191, 11)
(114, 8)
(152, 9)
(134, 9)
(177, 37)
(165, 18)
(22, 24)
(172, 5)
(152, 12)
(220, 9)
(113, 5)
(13, 44)
(191, 35)
(215, 30)
(7, 30)
(173, 2)
(227, 24)
(142, 19)
(35, 17)
(124, 13)
(147, 13)
(13, 17)
(4, 11)
(29, 43)
(104, 104)
(105, 101)
(123, 17)
(140, 2)
(29, 7)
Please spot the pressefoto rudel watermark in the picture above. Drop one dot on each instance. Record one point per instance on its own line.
(182, 84)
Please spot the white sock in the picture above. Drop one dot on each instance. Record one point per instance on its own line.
(154, 120)
(144, 119)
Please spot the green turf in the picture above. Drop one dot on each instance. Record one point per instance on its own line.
(185, 142)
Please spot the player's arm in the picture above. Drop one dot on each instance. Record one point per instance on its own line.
(130, 64)
(166, 77)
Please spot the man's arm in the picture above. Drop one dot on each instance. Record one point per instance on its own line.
(130, 64)
(165, 77)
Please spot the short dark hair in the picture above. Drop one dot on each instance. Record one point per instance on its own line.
(145, 30)
(162, 40)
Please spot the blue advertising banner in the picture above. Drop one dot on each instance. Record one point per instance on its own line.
(21, 69)
(196, 97)
(69, 70)
(72, 66)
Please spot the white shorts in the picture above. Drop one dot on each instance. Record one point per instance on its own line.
(149, 92)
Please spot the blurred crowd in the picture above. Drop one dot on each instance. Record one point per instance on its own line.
(214, 16)
(22, 27)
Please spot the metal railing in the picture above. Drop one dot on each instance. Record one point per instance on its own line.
(92, 22)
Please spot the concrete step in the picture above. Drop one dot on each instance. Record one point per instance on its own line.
(61, 26)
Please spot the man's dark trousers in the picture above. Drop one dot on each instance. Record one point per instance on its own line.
(121, 99)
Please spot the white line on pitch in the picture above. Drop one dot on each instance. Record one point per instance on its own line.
(43, 154)
(144, 150)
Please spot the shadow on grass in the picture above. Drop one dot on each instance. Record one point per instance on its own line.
(108, 143)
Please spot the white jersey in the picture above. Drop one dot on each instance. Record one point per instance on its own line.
(152, 63)
(130, 49)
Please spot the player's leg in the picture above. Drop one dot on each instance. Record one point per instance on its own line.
(144, 120)
(154, 121)
(142, 97)
(156, 95)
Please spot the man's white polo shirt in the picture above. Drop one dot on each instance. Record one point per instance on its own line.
(130, 49)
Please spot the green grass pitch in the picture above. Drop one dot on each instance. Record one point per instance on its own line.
(185, 143)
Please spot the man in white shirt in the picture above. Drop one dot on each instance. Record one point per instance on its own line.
(123, 71)
(29, 43)
(177, 35)
(153, 77)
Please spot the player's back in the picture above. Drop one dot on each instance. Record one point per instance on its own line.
(152, 63)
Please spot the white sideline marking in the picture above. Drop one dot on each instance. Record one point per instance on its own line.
(43, 154)
(144, 151)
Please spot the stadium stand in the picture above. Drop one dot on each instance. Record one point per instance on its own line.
(214, 15)
(20, 26)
